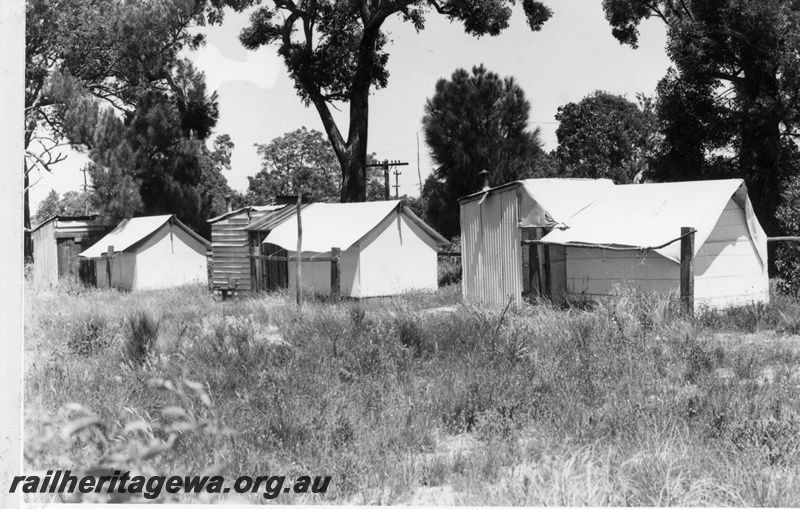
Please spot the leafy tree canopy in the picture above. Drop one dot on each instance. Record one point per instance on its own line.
(151, 161)
(606, 136)
(336, 51)
(72, 203)
(729, 107)
(85, 56)
(298, 160)
(475, 121)
(304, 160)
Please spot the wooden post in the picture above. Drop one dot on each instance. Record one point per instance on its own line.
(687, 270)
(298, 262)
(253, 270)
(548, 284)
(109, 258)
(387, 187)
(336, 274)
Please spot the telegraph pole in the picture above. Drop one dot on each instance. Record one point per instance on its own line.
(397, 184)
(85, 190)
(385, 165)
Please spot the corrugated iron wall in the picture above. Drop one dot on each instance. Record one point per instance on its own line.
(490, 249)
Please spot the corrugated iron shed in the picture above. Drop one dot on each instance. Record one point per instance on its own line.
(493, 223)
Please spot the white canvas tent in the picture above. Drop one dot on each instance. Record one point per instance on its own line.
(496, 267)
(150, 252)
(730, 246)
(386, 248)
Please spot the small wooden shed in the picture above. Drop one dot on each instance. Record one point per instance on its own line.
(58, 241)
(148, 253)
(230, 244)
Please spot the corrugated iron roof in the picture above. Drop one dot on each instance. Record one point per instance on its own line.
(90, 217)
(259, 208)
(272, 219)
(132, 231)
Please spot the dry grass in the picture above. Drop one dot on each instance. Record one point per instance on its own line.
(626, 404)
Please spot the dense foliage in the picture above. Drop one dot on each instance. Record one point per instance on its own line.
(299, 161)
(730, 105)
(107, 77)
(606, 136)
(475, 121)
(72, 203)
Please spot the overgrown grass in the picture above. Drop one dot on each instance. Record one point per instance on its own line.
(422, 398)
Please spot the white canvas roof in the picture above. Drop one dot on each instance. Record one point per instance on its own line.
(552, 201)
(327, 225)
(650, 215)
(131, 231)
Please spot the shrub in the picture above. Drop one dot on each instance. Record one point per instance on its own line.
(88, 333)
(787, 256)
(142, 336)
(775, 440)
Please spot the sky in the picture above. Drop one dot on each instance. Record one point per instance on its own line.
(572, 56)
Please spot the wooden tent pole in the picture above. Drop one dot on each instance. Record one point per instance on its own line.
(299, 262)
(687, 269)
(336, 274)
(109, 257)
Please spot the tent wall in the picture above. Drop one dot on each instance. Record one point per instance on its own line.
(727, 268)
(592, 272)
(317, 275)
(170, 257)
(490, 248)
(397, 256)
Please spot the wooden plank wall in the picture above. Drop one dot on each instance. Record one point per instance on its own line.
(230, 250)
(45, 260)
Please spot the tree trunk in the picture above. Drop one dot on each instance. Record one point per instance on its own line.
(27, 240)
(354, 167)
(760, 151)
(352, 154)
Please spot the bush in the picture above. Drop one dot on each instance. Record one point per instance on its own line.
(88, 334)
(787, 256)
(449, 267)
(142, 337)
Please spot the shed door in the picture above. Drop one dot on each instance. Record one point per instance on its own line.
(535, 265)
(67, 252)
(275, 272)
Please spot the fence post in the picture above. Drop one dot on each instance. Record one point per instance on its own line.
(336, 274)
(109, 257)
(253, 274)
(687, 270)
